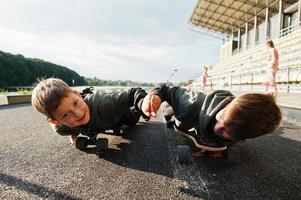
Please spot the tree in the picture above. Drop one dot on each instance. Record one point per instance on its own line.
(16, 70)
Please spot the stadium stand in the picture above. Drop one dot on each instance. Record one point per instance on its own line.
(246, 25)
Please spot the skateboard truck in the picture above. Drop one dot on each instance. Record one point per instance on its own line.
(83, 142)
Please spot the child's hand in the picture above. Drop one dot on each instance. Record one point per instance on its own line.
(73, 139)
(151, 105)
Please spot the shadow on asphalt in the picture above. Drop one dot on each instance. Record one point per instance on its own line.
(146, 152)
(267, 164)
(269, 168)
(13, 182)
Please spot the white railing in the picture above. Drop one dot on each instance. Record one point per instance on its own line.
(289, 29)
(283, 32)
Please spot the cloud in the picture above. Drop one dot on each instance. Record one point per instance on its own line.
(135, 40)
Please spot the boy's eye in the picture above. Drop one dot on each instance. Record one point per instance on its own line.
(66, 116)
(76, 102)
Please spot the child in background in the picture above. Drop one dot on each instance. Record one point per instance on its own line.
(204, 77)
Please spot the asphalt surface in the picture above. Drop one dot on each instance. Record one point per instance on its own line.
(35, 163)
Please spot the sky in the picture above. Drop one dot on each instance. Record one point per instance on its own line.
(138, 40)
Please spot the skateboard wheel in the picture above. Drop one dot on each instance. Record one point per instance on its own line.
(102, 144)
(184, 154)
(81, 143)
(232, 154)
(170, 124)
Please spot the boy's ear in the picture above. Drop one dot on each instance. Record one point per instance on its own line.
(77, 93)
(54, 121)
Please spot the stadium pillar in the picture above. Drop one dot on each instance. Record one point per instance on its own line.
(246, 34)
(255, 30)
(238, 38)
(299, 13)
(267, 23)
(280, 19)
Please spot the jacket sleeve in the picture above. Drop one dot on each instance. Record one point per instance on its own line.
(63, 130)
(135, 98)
(112, 107)
(186, 104)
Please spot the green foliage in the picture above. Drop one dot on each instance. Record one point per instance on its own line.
(16, 70)
(3, 91)
(24, 91)
(98, 82)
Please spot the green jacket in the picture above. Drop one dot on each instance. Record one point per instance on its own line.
(195, 109)
(107, 111)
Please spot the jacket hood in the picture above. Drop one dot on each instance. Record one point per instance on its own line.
(213, 103)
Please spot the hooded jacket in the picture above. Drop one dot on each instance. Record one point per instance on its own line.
(195, 109)
(107, 111)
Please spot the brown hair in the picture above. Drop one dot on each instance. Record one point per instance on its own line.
(252, 115)
(48, 94)
(270, 43)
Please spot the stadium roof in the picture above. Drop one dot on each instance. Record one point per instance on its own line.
(226, 16)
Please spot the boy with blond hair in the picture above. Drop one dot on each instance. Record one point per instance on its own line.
(71, 113)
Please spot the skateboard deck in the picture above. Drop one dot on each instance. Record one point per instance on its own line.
(184, 155)
(200, 146)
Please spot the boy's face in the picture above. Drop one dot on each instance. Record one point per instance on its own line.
(72, 111)
(219, 127)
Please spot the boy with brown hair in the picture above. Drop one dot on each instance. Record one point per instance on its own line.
(218, 118)
(72, 113)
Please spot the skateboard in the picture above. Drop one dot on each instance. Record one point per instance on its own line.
(83, 142)
(184, 154)
(115, 136)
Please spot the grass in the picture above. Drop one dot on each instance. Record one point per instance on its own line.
(3, 91)
(24, 91)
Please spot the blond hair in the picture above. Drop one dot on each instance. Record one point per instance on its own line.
(48, 94)
(252, 115)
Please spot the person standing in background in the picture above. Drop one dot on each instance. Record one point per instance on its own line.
(272, 66)
(204, 77)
